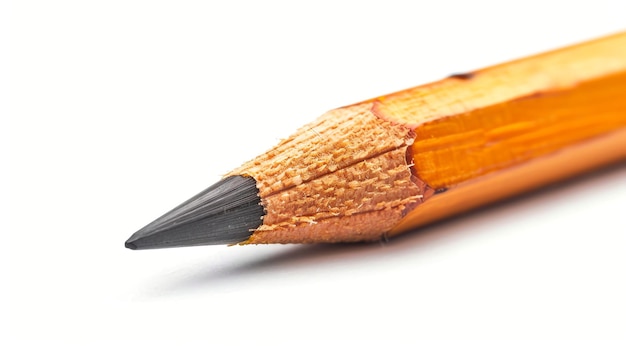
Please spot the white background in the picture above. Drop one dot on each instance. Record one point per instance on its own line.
(113, 112)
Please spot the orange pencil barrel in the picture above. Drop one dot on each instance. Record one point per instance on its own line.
(515, 126)
(396, 162)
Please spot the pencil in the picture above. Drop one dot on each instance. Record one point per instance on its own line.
(387, 165)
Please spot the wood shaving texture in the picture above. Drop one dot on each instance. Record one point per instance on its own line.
(344, 177)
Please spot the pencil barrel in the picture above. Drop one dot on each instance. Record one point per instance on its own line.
(390, 164)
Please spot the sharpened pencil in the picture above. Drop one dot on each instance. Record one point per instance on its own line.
(393, 163)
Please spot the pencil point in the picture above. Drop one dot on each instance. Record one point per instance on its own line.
(225, 213)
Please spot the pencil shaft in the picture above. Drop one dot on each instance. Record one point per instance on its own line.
(406, 159)
(505, 115)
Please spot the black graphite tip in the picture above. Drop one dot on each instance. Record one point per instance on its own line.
(225, 213)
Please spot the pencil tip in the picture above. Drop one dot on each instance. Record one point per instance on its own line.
(225, 213)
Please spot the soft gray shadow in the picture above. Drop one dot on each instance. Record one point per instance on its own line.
(297, 257)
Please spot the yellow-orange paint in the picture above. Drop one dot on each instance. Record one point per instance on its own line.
(458, 148)
(515, 126)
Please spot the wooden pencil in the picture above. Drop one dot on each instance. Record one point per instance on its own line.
(393, 163)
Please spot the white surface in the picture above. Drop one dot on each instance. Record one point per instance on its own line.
(119, 110)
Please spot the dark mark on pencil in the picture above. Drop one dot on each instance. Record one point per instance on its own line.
(441, 190)
(463, 76)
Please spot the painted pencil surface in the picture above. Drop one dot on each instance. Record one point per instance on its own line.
(393, 163)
